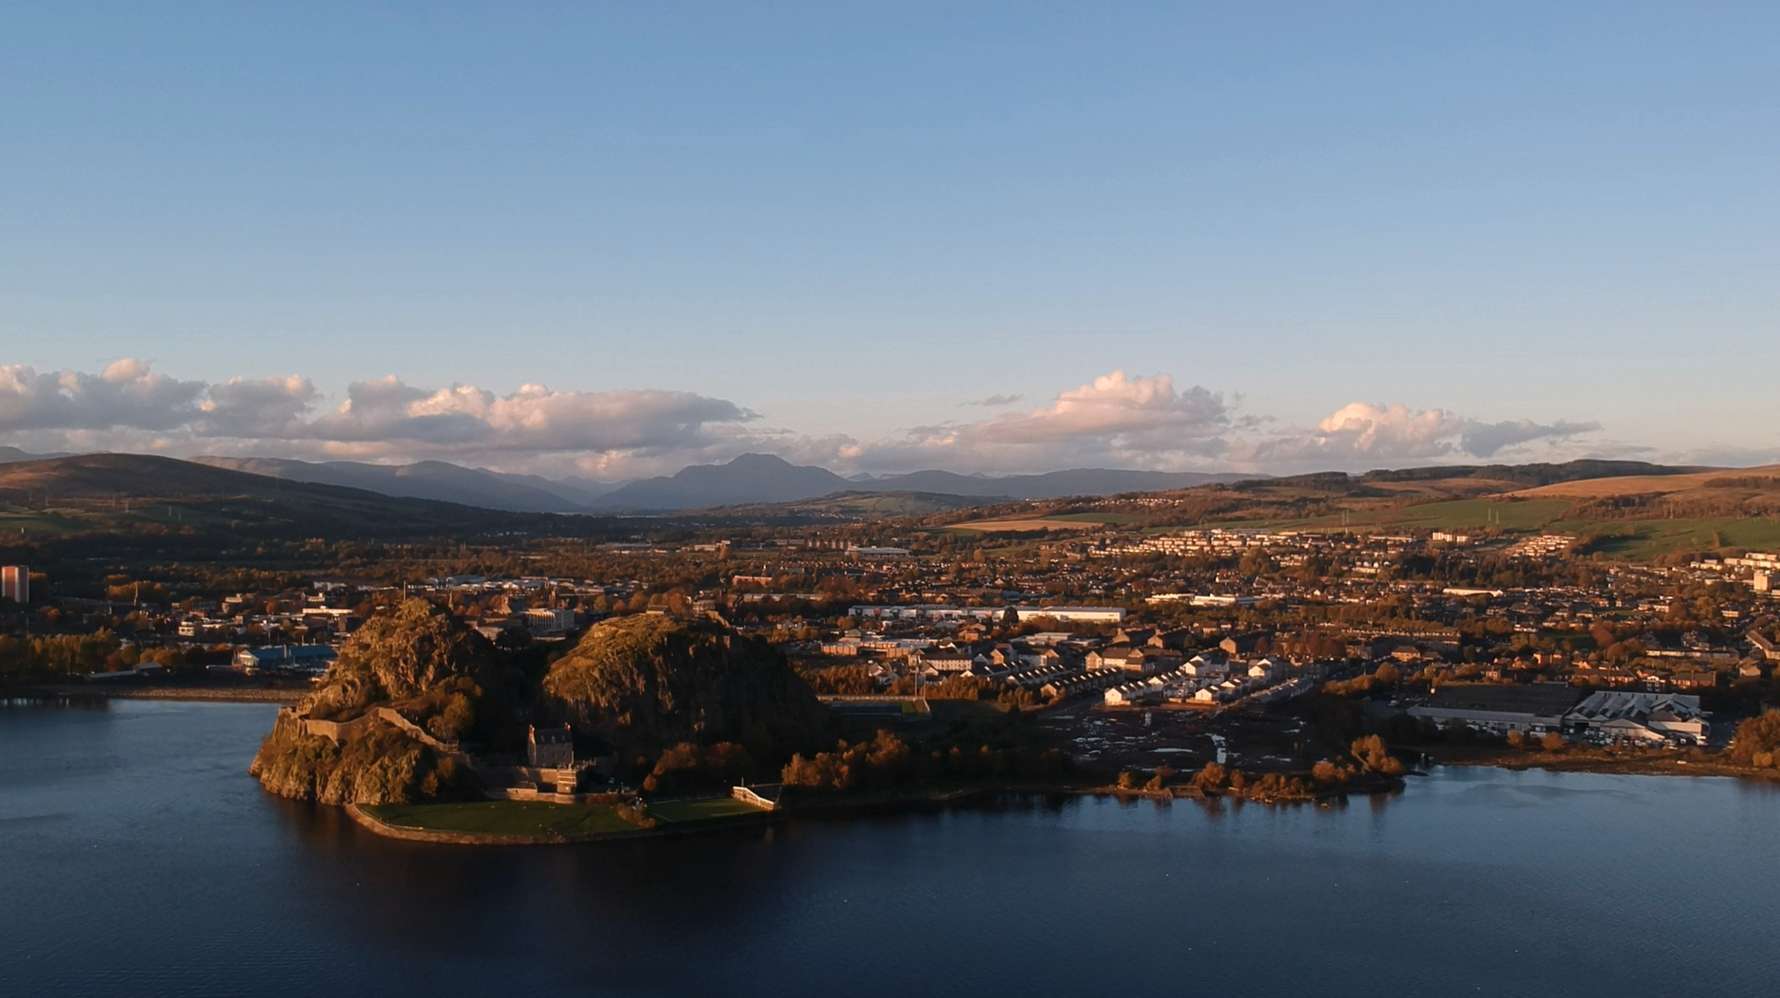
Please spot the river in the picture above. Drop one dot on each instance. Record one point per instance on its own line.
(138, 858)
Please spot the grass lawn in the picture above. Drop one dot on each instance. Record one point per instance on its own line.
(1112, 516)
(505, 817)
(18, 522)
(1638, 540)
(708, 809)
(1448, 514)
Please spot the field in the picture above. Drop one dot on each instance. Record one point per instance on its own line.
(500, 817)
(1112, 517)
(17, 523)
(1640, 540)
(1594, 488)
(1632, 540)
(1451, 514)
(704, 809)
(1031, 525)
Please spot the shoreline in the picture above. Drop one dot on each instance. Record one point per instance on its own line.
(833, 809)
(900, 803)
(409, 833)
(1667, 765)
(191, 694)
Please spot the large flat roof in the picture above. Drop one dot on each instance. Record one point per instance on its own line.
(1540, 698)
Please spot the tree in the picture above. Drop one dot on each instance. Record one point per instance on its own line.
(1756, 736)
(1371, 752)
(1551, 741)
(1211, 777)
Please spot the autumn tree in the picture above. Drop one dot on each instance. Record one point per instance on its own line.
(1755, 738)
(1211, 777)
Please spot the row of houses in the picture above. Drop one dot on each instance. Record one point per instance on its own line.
(942, 611)
(1208, 680)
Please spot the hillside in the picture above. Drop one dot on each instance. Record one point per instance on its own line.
(138, 493)
(1524, 475)
(842, 507)
(751, 478)
(436, 480)
(1623, 509)
(407, 686)
(1761, 479)
(646, 682)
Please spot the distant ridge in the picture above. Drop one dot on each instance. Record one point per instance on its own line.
(1051, 484)
(750, 478)
(437, 480)
(10, 454)
(765, 478)
(1532, 474)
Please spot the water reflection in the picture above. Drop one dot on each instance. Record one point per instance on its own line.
(155, 865)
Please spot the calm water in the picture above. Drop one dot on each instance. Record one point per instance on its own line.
(136, 857)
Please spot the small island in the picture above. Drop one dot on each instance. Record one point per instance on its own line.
(424, 729)
(659, 725)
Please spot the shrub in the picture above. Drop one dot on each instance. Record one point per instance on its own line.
(635, 813)
(1211, 778)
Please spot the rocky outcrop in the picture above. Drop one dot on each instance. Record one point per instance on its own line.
(646, 682)
(375, 763)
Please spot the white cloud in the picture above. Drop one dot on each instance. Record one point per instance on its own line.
(534, 418)
(266, 407)
(995, 401)
(1370, 434)
(1116, 419)
(127, 394)
(130, 406)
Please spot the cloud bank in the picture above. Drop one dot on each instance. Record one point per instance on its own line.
(1117, 419)
(1373, 434)
(129, 406)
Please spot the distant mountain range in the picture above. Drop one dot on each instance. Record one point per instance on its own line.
(764, 478)
(1051, 484)
(10, 454)
(356, 500)
(749, 479)
(436, 480)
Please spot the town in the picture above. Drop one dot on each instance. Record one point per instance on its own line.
(1137, 651)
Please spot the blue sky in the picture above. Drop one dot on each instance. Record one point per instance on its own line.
(820, 229)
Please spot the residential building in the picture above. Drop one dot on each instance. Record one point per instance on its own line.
(15, 583)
